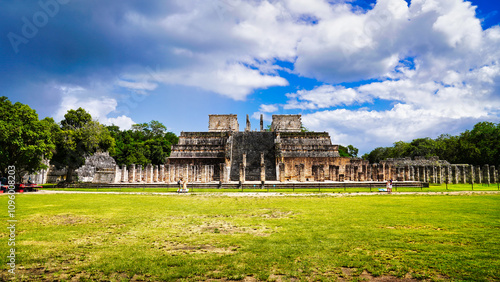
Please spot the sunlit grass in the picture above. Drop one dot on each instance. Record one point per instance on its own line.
(197, 237)
(433, 188)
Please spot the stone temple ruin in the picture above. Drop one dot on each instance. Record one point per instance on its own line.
(285, 153)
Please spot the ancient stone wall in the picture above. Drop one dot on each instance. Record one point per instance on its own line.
(252, 144)
(286, 123)
(221, 123)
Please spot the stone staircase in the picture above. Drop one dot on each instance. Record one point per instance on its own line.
(252, 144)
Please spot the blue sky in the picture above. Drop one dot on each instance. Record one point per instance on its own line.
(368, 72)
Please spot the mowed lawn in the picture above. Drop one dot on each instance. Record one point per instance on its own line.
(207, 237)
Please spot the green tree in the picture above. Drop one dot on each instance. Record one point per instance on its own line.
(481, 145)
(377, 155)
(349, 152)
(79, 138)
(24, 140)
(478, 146)
(145, 143)
(352, 151)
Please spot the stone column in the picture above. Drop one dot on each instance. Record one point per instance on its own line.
(479, 176)
(365, 173)
(155, 174)
(242, 173)
(374, 172)
(186, 172)
(281, 168)
(302, 173)
(138, 173)
(486, 171)
(131, 173)
(168, 172)
(471, 174)
(262, 168)
(149, 172)
(118, 174)
(161, 176)
(412, 173)
(222, 168)
(493, 174)
(349, 174)
(321, 171)
(248, 127)
(124, 174)
(261, 122)
(439, 170)
(433, 174)
(453, 175)
(463, 170)
(244, 164)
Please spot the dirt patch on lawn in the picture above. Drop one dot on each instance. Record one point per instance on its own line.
(58, 219)
(350, 274)
(224, 227)
(181, 248)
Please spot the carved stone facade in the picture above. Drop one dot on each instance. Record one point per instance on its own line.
(285, 153)
(225, 154)
(286, 123)
(222, 123)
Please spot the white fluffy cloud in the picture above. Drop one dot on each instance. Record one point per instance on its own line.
(124, 122)
(325, 96)
(99, 107)
(431, 62)
(268, 108)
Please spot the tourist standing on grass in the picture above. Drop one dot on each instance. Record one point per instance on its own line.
(390, 187)
(180, 183)
(184, 187)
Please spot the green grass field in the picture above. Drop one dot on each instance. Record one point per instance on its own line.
(207, 237)
(432, 188)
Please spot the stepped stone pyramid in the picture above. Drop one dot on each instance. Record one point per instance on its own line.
(282, 153)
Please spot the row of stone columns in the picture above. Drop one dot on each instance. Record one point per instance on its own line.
(366, 172)
(243, 167)
(165, 173)
(434, 174)
(381, 172)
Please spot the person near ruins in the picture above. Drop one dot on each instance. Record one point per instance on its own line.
(389, 187)
(180, 183)
(184, 187)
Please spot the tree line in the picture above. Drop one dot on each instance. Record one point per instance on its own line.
(478, 146)
(27, 142)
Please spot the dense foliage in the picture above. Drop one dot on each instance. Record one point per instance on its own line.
(145, 143)
(79, 136)
(24, 139)
(350, 151)
(478, 146)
